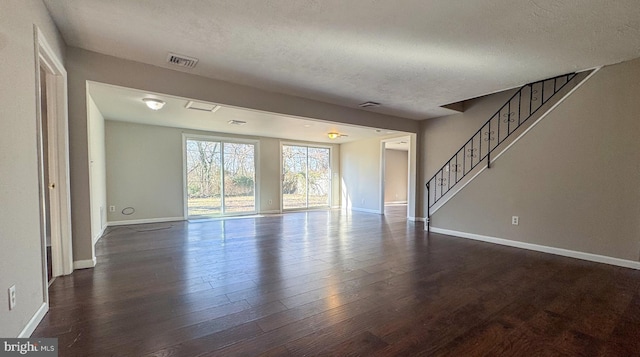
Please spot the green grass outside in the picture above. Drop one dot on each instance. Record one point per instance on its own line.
(210, 206)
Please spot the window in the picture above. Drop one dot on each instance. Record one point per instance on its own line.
(220, 177)
(306, 177)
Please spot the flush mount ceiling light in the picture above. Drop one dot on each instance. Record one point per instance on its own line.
(154, 104)
(334, 135)
(237, 122)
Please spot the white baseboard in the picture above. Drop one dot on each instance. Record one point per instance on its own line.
(416, 219)
(143, 221)
(542, 248)
(84, 264)
(275, 211)
(99, 235)
(34, 321)
(365, 210)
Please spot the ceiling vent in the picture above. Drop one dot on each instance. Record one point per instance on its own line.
(380, 131)
(237, 122)
(182, 61)
(205, 107)
(369, 105)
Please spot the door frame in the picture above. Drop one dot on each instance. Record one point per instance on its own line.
(411, 167)
(58, 128)
(222, 140)
(307, 145)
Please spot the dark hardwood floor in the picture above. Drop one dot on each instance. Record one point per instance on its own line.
(329, 283)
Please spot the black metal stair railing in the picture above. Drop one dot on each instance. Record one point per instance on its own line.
(522, 105)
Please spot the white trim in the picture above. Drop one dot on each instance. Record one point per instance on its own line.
(516, 139)
(383, 163)
(59, 206)
(542, 248)
(281, 176)
(145, 220)
(275, 211)
(100, 234)
(416, 219)
(34, 321)
(85, 264)
(450, 196)
(257, 176)
(365, 210)
(382, 174)
(185, 190)
(62, 250)
(218, 138)
(310, 144)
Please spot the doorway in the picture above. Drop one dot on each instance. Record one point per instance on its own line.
(396, 185)
(45, 167)
(53, 163)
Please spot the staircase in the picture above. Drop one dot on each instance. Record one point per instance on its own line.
(526, 107)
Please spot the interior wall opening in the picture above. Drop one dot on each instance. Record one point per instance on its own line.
(396, 175)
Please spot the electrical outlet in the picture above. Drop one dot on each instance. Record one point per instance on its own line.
(12, 297)
(112, 208)
(515, 220)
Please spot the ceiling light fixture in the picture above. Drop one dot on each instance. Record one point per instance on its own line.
(237, 122)
(154, 104)
(333, 135)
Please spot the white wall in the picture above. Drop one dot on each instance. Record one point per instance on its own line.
(97, 173)
(20, 239)
(145, 163)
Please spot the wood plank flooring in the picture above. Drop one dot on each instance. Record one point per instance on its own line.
(330, 283)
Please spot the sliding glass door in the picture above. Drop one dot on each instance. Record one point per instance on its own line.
(220, 178)
(306, 177)
(239, 178)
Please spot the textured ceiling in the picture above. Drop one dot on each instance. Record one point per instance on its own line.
(413, 56)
